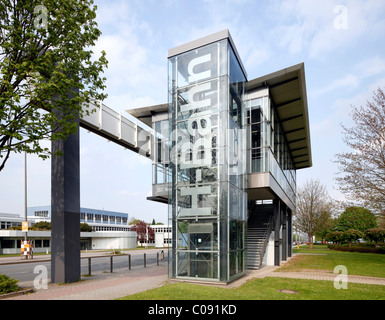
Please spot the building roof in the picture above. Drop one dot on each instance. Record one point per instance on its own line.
(287, 90)
(145, 114)
(215, 37)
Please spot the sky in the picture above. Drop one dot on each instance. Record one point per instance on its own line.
(341, 44)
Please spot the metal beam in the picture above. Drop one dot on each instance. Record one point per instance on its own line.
(277, 224)
(65, 210)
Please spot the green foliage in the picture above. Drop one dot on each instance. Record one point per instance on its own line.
(41, 225)
(375, 234)
(352, 235)
(8, 284)
(356, 218)
(85, 227)
(358, 247)
(335, 236)
(43, 57)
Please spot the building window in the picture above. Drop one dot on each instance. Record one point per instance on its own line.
(43, 213)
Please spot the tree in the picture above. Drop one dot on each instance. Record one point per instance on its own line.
(85, 227)
(335, 236)
(313, 208)
(133, 221)
(375, 234)
(41, 225)
(357, 218)
(143, 231)
(45, 54)
(352, 235)
(362, 171)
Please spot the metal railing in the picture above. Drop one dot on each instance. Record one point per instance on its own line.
(159, 256)
(266, 237)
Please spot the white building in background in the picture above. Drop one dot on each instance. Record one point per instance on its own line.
(110, 230)
(163, 235)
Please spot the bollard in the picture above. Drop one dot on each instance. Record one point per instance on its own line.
(144, 260)
(89, 266)
(129, 262)
(111, 264)
(157, 258)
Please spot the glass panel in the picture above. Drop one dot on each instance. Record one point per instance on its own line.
(197, 65)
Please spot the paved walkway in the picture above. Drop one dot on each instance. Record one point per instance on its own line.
(105, 286)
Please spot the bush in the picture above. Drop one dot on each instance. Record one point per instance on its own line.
(352, 235)
(8, 284)
(375, 234)
(41, 225)
(85, 227)
(358, 247)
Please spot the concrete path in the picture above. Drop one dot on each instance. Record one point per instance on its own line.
(107, 286)
(103, 286)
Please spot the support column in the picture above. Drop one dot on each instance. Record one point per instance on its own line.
(289, 233)
(65, 210)
(284, 233)
(277, 224)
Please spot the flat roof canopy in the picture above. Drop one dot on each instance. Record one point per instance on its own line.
(287, 90)
(145, 114)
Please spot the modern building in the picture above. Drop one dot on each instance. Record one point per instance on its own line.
(99, 220)
(162, 238)
(110, 230)
(225, 154)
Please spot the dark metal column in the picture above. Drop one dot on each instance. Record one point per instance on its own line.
(65, 211)
(277, 224)
(289, 233)
(284, 232)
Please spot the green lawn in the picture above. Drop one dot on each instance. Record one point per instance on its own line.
(364, 264)
(368, 264)
(264, 289)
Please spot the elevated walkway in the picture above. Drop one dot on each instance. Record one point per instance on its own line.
(111, 125)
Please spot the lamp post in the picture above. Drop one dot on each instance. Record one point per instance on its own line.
(25, 196)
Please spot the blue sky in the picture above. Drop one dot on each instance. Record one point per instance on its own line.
(340, 42)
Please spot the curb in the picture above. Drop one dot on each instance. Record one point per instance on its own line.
(16, 293)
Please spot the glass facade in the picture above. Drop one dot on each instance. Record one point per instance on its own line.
(206, 166)
(267, 147)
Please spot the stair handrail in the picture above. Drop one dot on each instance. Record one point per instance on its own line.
(266, 237)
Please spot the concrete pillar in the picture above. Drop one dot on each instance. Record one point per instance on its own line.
(65, 211)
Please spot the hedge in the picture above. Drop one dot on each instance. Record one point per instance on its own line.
(359, 247)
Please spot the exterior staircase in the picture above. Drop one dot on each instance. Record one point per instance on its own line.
(257, 237)
(255, 240)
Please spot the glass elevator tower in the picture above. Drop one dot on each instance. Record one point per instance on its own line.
(207, 164)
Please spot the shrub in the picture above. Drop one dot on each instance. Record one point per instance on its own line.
(375, 234)
(359, 247)
(41, 225)
(8, 284)
(85, 227)
(352, 235)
